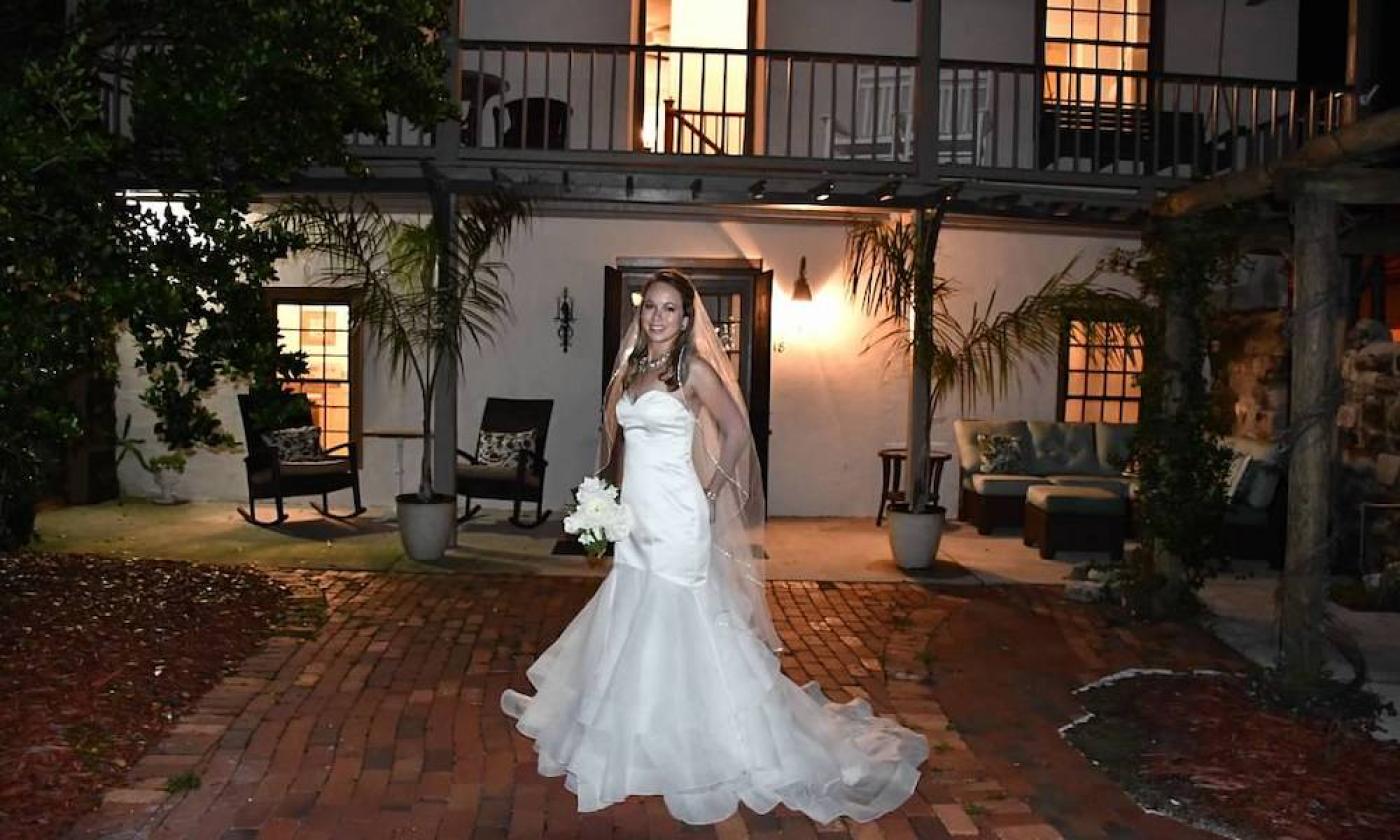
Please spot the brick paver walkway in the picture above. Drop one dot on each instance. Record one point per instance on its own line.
(385, 722)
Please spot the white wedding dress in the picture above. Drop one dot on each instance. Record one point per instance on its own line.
(653, 690)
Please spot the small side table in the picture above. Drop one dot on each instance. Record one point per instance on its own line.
(891, 476)
(398, 436)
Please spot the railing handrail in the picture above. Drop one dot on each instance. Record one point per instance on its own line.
(673, 113)
(694, 112)
(605, 47)
(1149, 75)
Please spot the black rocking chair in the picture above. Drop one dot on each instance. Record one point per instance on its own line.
(271, 478)
(518, 483)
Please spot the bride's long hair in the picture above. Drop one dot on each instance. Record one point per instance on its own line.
(677, 363)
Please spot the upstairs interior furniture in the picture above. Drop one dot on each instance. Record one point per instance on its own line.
(517, 478)
(535, 122)
(272, 477)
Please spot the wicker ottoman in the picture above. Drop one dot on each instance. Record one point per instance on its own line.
(1069, 518)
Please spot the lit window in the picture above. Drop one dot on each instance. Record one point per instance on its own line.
(322, 332)
(1099, 377)
(1110, 35)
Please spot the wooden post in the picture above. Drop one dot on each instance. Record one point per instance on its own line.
(926, 91)
(1317, 358)
(444, 442)
(925, 225)
(1179, 336)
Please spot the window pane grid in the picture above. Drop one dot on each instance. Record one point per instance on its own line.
(1085, 35)
(321, 331)
(1100, 382)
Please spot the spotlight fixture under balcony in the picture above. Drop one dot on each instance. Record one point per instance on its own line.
(822, 191)
(885, 192)
(758, 189)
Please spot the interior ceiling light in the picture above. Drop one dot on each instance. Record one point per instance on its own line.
(823, 191)
(758, 189)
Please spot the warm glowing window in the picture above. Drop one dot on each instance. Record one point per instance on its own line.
(1099, 374)
(1086, 35)
(693, 99)
(321, 330)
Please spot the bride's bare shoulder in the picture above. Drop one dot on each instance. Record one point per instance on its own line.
(702, 373)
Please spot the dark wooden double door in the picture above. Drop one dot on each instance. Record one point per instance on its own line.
(738, 296)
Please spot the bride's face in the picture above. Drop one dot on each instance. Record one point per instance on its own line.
(662, 315)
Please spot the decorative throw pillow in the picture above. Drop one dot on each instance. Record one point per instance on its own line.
(302, 443)
(1000, 453)
(499, 449)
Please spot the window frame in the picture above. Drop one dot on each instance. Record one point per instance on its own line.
(1156, 16)
(322, 295)
(1062, 395)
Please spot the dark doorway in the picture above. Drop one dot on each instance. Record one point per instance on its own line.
(738, 296)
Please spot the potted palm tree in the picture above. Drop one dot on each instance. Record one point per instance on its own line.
(422, 297)
(891, 272)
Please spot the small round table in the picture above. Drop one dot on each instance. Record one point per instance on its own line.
(398, 436)
(891, 476)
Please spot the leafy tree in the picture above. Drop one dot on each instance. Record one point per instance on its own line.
(225, 99)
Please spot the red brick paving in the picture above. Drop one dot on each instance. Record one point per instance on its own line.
(386, 723)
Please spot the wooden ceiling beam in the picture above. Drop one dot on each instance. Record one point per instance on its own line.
(1345, 185)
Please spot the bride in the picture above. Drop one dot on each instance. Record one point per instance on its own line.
(666, 683)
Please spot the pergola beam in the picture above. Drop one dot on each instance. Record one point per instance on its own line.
(1346, 185)
(1350, 143)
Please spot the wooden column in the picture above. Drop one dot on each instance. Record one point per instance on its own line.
(1317, 358)
(1178, 337)
(444, 442)
(926, 91)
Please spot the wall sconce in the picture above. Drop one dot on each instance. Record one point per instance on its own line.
(802, 290)
(564, 317)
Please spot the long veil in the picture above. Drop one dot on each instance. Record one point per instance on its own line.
(737, 533)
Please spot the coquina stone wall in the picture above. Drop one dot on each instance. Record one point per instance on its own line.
(1369, 426)
(1252, 379)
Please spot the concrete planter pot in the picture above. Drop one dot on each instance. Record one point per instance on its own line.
(914, 537)
(166, 483)
(426, 527)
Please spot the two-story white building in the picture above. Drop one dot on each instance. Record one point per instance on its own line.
(734, 139)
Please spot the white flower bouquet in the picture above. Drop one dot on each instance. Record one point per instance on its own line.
(598, 517)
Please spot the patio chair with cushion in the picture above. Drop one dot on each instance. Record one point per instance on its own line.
(509, 462)
(289, 461)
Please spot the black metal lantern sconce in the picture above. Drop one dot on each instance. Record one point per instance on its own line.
(564, 317)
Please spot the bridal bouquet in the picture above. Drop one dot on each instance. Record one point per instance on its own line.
(598, 518)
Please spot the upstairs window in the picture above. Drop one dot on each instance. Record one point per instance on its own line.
(1100, 363)
(1088, 35)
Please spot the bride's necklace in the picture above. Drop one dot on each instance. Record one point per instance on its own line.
(647, 365)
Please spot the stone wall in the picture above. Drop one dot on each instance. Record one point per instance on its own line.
(1252, 372)
(1369, 426)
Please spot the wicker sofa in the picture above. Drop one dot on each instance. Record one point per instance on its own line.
(1073, 454)
(1092, 455)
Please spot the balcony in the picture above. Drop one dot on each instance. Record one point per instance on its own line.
(678, 113)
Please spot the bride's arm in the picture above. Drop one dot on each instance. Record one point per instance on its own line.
(729, 417)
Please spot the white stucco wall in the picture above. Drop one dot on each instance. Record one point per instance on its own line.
(833, 405)
(593, 21)
(1261, 42)
(874, 27)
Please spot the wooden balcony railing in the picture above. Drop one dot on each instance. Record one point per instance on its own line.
(849, 113)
